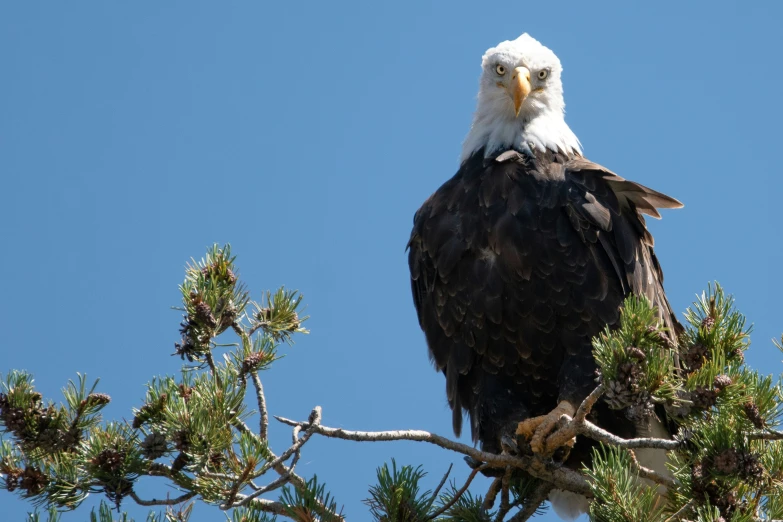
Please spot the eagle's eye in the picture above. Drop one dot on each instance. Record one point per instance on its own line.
(542, 74)
(500, 69)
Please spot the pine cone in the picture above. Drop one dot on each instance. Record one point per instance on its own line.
(635, 353)
(726, 462)
(618, 395)
(726, 502)
(181, 440)
(204, 315)
(13, 478)
(252, 362)
(109, 460)
(704, 398)
(642, 409)
(752, 412)
(708, 323)
(154, 446)
(722, 381)
(185, 392)
(97, 399)
(697, 480)
(694, 356)
(628, 373)
(660, 337)
(14, 420)
(33, 481)
(229, 315)
(737, 354)
(751, 468)
(70, 439)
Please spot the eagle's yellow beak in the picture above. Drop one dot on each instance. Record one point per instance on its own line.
(520, 87)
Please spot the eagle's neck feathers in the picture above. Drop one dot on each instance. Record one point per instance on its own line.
(546, 130)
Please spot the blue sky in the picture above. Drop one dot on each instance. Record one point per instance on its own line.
(306, 134)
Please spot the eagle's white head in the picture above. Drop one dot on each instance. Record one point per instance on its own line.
(520, 102)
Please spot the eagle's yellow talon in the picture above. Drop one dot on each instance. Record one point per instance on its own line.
(538, 429)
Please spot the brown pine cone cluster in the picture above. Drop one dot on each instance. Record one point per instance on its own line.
(252, 362)
(204, 315)
(663, 340)
(109, 460)
(753, 413)
(732, 462)
(625, 392)
(154, 446)
(708, 323)
(198, 328)
(694, 356)
(30, 479)
(38, 427)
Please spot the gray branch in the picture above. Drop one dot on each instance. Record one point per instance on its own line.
(561, 476)
(261, 399)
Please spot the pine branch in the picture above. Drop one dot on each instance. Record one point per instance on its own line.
(261, 400)
(561, 476)
(651, 474)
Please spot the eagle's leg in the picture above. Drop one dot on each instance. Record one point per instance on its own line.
(537, 430)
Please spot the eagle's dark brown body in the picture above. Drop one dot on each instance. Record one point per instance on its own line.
(516, 263)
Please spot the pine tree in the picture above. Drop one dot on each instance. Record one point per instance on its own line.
(725, 458)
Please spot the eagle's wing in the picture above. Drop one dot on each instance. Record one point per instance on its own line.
(601, 198)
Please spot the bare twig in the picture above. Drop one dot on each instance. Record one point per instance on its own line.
(167, 502)
(505, 505)
(434, 495)
(277, 463)
(262, 411)
(268, 506)
(315, 418)
(680, 512)
(561, 476)
(601, 435)
(457, 495)
(767, 435)
(587, 405)
(211, 363)
(651, 474)
(245, 500)
(492, 493)
(529, 509)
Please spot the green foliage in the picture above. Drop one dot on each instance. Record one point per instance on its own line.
(620, 495)
(467, 508)
(311, 504)
(213, 300)
(635, 360)
(251, 514)
(278, 315)
(396, 497)
(105, 514)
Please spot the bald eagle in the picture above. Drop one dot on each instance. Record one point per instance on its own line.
(524, 256)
